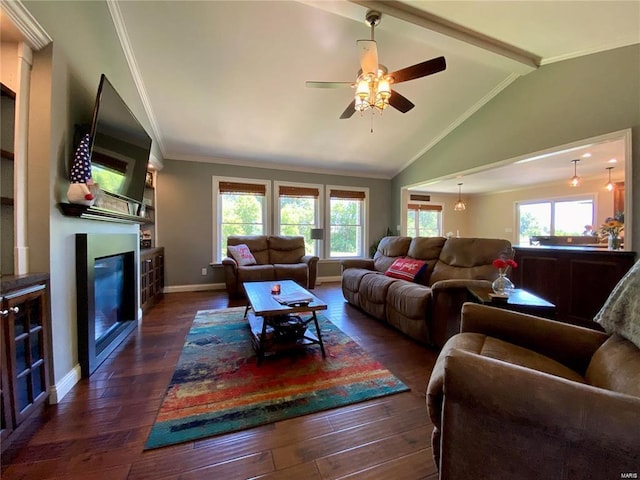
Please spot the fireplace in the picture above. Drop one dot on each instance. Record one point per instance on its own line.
(107, 301)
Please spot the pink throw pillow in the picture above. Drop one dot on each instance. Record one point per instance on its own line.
(242, 255)
(407, 269)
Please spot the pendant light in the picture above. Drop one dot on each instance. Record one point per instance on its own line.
(575, 180)
(609, 185)
(459, 206)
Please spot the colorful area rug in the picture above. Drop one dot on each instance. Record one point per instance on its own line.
(218, 388)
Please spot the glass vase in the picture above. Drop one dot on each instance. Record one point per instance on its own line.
(502, 285)
(613, 242)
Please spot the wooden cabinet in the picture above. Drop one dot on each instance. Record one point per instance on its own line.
(577, 280)
(151, 276)
(26, 360)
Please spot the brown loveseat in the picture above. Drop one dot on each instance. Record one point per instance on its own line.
(277, 258)
(518, 396)
(428, 311)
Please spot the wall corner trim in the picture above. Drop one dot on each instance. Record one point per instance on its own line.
(64, 386)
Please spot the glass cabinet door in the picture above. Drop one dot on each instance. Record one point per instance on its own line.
(6, 420)
(27, 348)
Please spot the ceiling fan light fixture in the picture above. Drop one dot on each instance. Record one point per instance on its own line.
(609, 186)
(360, 105)
(575, 180)
(373, 80)
(362, 89)
(372, 92)
(384, 88)
(460, 205)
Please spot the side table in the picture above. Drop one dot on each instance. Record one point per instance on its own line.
(519, 300)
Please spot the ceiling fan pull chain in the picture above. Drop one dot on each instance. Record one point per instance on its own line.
(371, 122)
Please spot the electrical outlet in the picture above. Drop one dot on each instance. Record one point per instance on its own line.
(204, 272)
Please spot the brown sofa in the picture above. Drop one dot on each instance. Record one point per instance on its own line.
(277, 258)
(518, 396)
(429, 311)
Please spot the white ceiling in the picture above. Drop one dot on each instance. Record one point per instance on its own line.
(224, 81)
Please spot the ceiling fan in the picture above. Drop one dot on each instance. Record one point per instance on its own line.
(373, 84)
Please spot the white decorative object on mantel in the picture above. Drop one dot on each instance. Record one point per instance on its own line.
(79, 193)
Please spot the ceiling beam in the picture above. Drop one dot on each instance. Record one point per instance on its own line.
(432, 22)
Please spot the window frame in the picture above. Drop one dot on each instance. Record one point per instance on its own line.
(429, 206)
(592, 197)
(318, 211)
(364, 226)
(217, 208)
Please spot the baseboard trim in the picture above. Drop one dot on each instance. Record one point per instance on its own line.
(322, 280)
(194, 288)
(64, 386)
(202, 287)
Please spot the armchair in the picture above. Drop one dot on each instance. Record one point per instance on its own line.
(518, 396)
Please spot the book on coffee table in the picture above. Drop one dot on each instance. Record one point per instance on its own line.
(293, 299)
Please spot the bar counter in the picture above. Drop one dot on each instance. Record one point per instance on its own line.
(577, 279)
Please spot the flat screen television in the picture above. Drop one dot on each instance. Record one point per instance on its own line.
(119, 146)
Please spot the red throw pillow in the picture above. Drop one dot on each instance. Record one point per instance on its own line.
(407, 269)
(242, 254)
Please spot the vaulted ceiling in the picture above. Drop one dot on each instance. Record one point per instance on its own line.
(224, 81)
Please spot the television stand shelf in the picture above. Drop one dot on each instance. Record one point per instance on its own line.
(95, 213)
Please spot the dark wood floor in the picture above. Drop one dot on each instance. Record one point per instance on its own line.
(99, 428)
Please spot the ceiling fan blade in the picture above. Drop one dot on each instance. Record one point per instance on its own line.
(329, 84)
(399, 102)
(423, 69)
(368, 51)
(349, 111)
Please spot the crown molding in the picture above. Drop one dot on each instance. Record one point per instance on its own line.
(123, 36)
(35, 36)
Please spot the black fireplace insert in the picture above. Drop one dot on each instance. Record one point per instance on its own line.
(107, 301)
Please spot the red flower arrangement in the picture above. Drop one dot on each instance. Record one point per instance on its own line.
(501, 264)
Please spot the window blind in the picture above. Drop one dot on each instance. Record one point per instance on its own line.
(432, 208)
(242, 188)
(347, 194)
(287, 191)
(420, 198)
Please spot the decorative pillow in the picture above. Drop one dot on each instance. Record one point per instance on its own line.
(407, 269)
(242, 254)
(621, 312)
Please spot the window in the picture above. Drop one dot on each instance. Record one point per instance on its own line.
(242, 209)
(424, 220)
(298, 211)
(554, 217)
(347, 221)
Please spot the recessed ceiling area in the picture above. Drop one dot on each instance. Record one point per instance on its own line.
(539, 169)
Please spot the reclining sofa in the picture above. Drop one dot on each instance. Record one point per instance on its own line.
(276, 258)
(428, 308)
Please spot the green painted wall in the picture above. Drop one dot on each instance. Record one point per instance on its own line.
(185, 213)
(558, 104)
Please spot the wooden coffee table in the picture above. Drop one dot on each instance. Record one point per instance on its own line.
(519, 300)
(276, 327)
